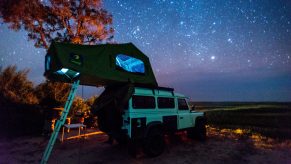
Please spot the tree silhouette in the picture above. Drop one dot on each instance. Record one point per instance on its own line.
(15, 87)
(75, 21)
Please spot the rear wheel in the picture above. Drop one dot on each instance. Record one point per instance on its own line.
(132, 147)
(121, 139)
(154, 143)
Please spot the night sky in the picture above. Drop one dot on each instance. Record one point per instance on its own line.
(209, 50)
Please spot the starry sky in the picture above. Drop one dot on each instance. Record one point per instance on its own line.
(209, 50)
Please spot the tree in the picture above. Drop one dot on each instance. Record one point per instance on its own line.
(75, 21)
(15, 87)
(52, 94)
(91, 100)
(79, 106)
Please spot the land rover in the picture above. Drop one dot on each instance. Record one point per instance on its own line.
(149, 114)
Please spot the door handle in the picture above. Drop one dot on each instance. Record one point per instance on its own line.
(181, 117)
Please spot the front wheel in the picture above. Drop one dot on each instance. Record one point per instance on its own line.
(154, 143)
(199, 131)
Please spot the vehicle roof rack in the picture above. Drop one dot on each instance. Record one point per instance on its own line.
(152, 87)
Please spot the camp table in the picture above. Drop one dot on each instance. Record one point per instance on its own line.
(72, 126)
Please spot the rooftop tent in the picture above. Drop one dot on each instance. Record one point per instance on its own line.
(98, 65)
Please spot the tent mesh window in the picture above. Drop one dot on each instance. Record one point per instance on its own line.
(129, 64)
(47, 62)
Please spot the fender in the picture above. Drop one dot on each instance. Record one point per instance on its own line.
(200, 119)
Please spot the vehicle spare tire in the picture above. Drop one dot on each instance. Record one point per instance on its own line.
(154, 143)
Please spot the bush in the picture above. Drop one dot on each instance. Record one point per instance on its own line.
(24, 108)
(15, 87)
(52, 94)
(19, 112)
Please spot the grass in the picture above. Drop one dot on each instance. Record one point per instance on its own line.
(270, 119)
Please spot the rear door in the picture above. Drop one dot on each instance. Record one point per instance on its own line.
(184, 116)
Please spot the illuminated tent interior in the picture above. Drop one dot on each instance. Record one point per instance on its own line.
(98, 65)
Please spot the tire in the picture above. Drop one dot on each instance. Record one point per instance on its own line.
(199, 131)
(154, 143)
(121, 139)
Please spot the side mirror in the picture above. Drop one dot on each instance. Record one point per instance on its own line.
(192, 108)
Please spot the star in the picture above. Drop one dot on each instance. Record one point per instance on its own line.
(229, 40)
(193, 37)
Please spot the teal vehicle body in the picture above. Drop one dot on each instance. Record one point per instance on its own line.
(168, 108)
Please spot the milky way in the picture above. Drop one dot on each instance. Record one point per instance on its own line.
(212, 50)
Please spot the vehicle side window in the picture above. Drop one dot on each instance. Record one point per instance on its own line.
(164, 102)
(143, 102)
(182, 104)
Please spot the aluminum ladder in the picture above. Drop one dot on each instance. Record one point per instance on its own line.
(60, 123)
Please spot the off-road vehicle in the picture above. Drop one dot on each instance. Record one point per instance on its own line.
(146, 115)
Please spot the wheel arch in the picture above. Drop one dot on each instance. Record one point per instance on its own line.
(200, 119)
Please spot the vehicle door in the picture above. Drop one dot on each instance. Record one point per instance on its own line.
(184, 116)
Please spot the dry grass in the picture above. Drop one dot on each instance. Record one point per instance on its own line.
(258, 140)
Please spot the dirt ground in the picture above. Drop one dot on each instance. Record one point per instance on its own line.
(223, 146)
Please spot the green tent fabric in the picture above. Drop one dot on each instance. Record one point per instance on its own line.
(110, 105)
(98, 65)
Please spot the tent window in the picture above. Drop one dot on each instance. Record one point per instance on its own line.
(129, 64)
(47, 62)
